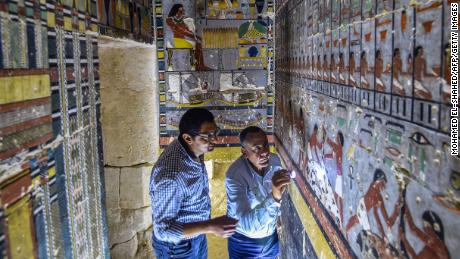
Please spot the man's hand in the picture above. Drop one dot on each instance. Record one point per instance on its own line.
(280, 180)
(222, 226)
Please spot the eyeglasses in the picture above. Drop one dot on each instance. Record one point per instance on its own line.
(207, 136)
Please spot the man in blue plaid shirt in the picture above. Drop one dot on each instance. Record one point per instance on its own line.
(179, 192)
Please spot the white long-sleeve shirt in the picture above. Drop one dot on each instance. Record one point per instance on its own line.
(249, 198)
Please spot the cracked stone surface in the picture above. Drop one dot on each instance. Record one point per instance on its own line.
(124, 250)
(134, 187)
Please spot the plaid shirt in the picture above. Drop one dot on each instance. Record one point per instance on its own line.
(179, 192)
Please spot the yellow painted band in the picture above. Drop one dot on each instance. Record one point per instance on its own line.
(67, 23)
(158, 10)
(19, 229)
(51, 19)
(81, 26)
(317, 239)
(21, 88)
(51, 171)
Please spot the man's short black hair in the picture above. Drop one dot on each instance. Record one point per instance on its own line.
(249, 130)
(192, 120)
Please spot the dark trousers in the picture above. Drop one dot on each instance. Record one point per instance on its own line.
(243, 247)
(195, 248)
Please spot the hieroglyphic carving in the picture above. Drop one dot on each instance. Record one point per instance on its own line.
(371, 92)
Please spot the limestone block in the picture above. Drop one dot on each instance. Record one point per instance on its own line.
(129, 97)
(134, 187)
(112, 187)
(125, 250)
(124, 224)
(144, 248)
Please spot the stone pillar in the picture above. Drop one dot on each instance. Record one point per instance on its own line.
(130, 114)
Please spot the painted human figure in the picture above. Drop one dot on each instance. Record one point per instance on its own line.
(333, 69)
(432, 236)
(296, 65)
(315, 147)
(421, 70)
(398, 88)
(446, 85)
(410, 64)
(363, 70)
(337, 147)
(300, 127)
(313, 68)
(319, 68)
(290, 119)
(373, 200)
(326, 69)
(403, 21)
(307, 67)
(341, 67)
(135, 18)
(183, 29)
(293, 65)
(301, 65)
(352, 68)
(379, 86)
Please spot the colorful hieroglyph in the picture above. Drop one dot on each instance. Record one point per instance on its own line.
(51, 196)
(362, 112)
(218, 55)
(125, 19)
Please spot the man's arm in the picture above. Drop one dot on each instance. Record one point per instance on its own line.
(166, 203)
(222, 226)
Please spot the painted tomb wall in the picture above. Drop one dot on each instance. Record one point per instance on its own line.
(52, 203)
(217, 55)
(362, 113)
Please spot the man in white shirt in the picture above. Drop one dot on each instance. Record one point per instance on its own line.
(255, 183)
